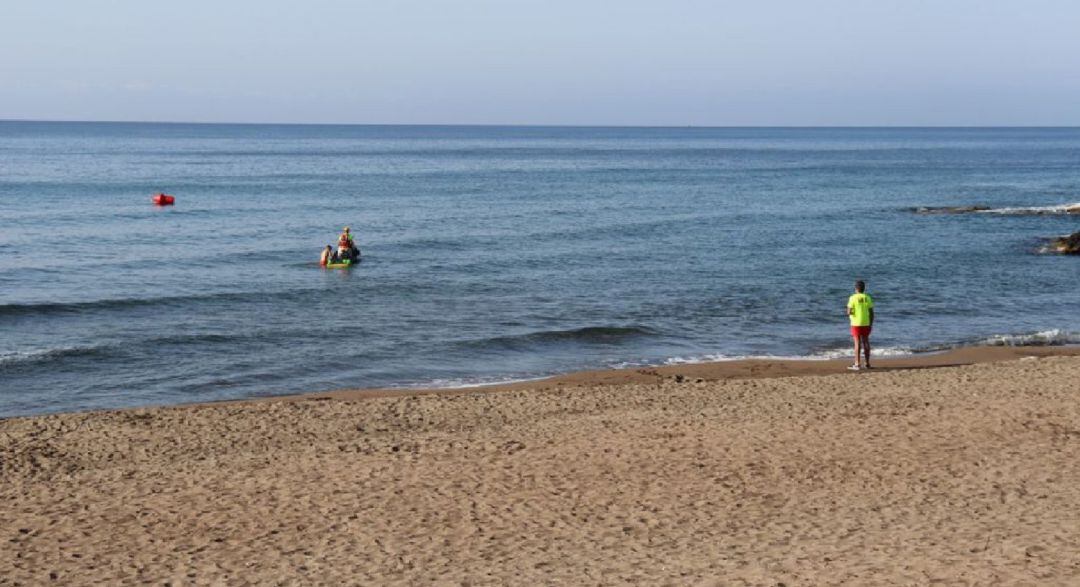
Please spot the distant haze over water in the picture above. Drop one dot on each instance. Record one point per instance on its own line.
(634, 62)
(495, 253)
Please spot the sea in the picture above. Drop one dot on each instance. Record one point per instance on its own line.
(495, 253)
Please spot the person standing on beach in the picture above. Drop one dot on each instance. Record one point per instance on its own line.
(860, 309)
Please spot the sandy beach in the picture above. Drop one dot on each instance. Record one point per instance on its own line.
(960, 468)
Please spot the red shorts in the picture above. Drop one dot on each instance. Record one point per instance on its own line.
(860, 331)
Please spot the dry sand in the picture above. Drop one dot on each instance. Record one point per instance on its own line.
(961, 475)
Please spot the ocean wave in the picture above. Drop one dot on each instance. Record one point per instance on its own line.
(1058, 209)
(587, 335)
(467, 382)
(825, 355)
(48, 355)
(54, 308)
(876, 351)
(134, 347)
(1054, 337)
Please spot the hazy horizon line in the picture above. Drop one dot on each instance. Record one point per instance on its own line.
(534, 125)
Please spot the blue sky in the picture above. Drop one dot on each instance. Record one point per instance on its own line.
(675, 62)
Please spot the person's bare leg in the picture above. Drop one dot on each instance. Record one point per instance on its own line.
(858, 355)
(865, 342)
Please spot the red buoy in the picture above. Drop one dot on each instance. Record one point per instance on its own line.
(163, 200)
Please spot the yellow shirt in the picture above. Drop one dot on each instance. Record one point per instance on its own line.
(859, 306)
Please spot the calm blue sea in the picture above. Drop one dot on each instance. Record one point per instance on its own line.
(499, 253)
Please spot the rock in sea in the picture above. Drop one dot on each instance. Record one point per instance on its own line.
(950, 209)
(1066, 245)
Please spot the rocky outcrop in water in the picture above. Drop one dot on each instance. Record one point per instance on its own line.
(950, 209)
(1066, 245)
(1032, 211)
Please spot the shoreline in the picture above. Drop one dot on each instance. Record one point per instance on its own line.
(703, 372)
(708, 371)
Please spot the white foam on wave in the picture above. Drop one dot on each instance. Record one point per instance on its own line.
(840, 353)
(692, 360)
(19, 356)
(14, 357)
(1058, 209)
(826, 355)
(467, 383)
(1054, 337)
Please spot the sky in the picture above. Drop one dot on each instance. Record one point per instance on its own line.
(545, 62)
